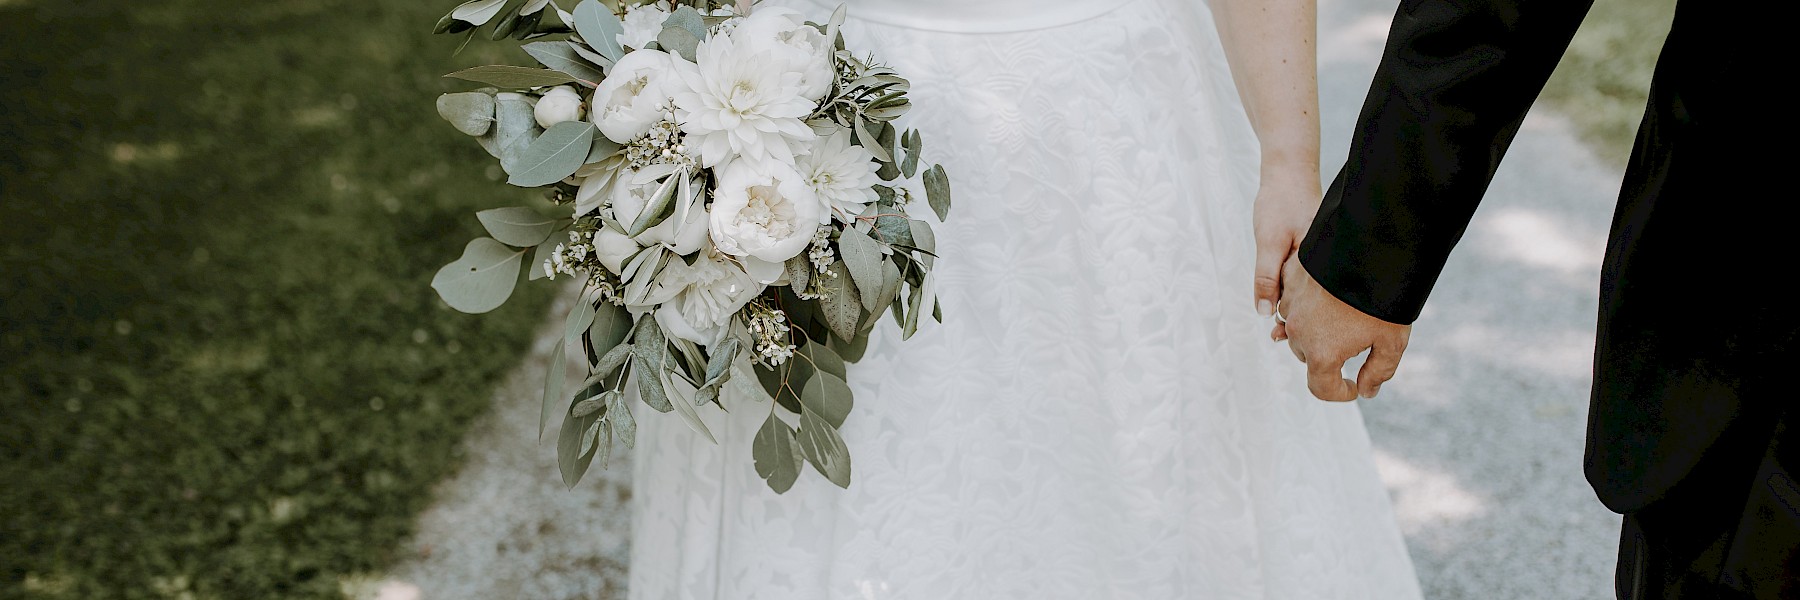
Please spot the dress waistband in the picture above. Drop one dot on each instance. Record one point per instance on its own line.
(976, 16)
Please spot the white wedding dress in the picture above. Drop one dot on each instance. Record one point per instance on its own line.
(1101, 413)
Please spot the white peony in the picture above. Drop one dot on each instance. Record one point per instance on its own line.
(840, 175)
(558, 105)
(800, 48)
(696, 302)
(683, 232)
(642, 24)
(764, 215)
(739, 102)
(634, 93)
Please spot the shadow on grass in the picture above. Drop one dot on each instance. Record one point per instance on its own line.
(222, 372)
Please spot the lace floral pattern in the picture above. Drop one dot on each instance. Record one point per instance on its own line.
(1101, 414)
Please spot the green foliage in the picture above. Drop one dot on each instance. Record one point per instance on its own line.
(221, 371)
(1603, 81)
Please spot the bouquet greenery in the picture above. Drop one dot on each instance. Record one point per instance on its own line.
(733, 197)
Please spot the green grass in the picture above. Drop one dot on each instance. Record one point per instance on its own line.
(222, 371)
(1604, 79)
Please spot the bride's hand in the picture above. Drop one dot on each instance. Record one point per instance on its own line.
(1285, 204)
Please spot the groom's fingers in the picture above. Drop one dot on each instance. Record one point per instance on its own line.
(1384, 361)
(1325, 379)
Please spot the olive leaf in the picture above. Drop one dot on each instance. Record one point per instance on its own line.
(477, 12)
(514, 77)
(561, 57)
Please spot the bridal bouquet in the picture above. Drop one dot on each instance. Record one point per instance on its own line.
(732, 197)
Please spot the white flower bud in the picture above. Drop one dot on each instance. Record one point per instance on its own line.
(558, 105)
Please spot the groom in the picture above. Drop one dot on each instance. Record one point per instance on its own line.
(1692, 433)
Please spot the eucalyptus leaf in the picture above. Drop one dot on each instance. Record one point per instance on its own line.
(571, 458)
(535, 270)
(587, 53)
(580, 317)
(823, 358)
(477, 12)
(514, 126)
(841, 307)
(799, 271)
(679, 41)
(562, 58)
(624, 425)
(650, 348)
(555, 155)
(915, 304)
(718, 367)
(777, 454)
(509, 76)
(890, 282)
(612, 323)
(850, 350)
(517, 225)
(862, 255)
(599, 28)
(603, 148)
(609, 362)
(923, 238)
(469, 112)
(482, 279)
(589, 406)
(554, 377)
(891, 227)
(937, 191)
(828, 396)
(533, 6)
(824, 448)
(913, 144)
(783, 384)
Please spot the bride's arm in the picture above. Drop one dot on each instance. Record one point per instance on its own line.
(1270, 45)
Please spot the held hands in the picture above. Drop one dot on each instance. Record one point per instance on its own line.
(1324, 332)
(1285, 204)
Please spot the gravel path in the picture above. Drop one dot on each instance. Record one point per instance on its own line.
(1479, 440)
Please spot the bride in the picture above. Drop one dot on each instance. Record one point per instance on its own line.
(1100, 415)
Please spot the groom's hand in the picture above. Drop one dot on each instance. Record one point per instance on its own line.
(1324, 332)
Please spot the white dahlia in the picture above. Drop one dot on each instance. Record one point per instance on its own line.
(742, 103)
(841, 175)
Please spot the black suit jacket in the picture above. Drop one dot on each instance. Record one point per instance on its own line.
(1693, 346)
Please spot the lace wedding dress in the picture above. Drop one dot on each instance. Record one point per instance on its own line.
(1101, 414)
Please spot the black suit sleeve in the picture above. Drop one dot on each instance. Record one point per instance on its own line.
(1455, 81)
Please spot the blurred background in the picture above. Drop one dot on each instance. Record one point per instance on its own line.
(223, 373)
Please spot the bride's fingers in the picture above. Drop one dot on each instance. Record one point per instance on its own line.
(1271, 252)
